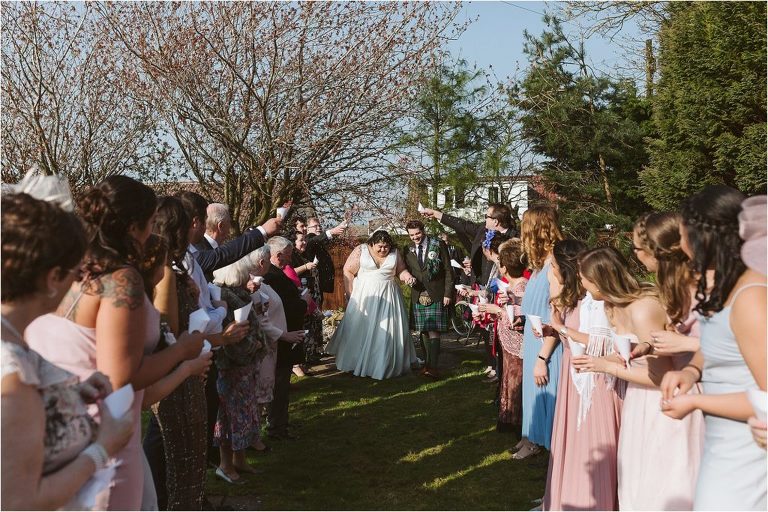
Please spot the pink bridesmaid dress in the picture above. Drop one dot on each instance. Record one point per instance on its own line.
(73, 347)
(582, 466)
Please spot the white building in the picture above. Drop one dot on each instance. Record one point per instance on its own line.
(472, 203)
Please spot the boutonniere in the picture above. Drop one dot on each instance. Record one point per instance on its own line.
(431, 255)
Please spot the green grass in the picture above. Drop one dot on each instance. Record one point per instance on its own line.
(403, 443)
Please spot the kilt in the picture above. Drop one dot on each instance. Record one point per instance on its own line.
(430, 318)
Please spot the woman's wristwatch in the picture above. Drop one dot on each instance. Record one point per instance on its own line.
(564, 331)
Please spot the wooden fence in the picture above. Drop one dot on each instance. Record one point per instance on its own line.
(339, 253)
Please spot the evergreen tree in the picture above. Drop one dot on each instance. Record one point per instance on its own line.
(710, 108)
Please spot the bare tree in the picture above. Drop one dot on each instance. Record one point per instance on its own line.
(64, 109)
(272, 101)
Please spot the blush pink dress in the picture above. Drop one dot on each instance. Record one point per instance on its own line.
(582, 464)
(73, 348)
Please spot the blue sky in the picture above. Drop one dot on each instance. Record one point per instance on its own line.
(495, 39)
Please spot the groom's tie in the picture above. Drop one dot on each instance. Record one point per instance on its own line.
(421, 254)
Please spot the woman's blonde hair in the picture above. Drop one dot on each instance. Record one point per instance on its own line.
(539, 230)
(607, 269)
(659, 234)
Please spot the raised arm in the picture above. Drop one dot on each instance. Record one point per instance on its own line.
(351, 268)
(229, 252)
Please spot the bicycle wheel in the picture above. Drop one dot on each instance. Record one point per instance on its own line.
(461, 321)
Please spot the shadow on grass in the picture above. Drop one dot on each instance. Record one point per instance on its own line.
(404, 443)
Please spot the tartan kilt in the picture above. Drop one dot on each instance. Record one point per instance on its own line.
(430, 318)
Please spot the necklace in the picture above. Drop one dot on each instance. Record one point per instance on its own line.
(8, 325)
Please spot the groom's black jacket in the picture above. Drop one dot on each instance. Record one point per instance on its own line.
(441, 285)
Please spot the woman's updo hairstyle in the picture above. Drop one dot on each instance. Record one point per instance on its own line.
(380, 236)
(711, 220)
(37, 236)
(173, 223)
(673, 273)
(566, 254)
(109, 209)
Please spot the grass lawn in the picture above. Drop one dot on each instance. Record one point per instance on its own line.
(403, 443)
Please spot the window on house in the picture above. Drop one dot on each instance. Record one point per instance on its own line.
(448, 194)
(493, 195)
(459, 199)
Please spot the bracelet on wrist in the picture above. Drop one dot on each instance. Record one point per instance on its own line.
(564, 331)
(543, 358)
(97, 454)
(690, 365)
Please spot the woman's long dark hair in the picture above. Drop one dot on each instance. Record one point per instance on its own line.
(566, 254)
(108, 211)
(173, 223)
(711, 220)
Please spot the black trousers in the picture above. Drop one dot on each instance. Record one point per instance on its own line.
(278, 410)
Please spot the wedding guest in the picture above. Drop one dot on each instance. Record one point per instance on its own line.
(308, 271)
(200, 264)
(582, 472)
(457, 255)
(238, 423)
(106, 322)
(540, 230)
(498, 217)
(271, 317)
(152, 270)
(50, 444)
(732, 306)
(509, 333)
(648, 439)
(175, 440)
(289, 350)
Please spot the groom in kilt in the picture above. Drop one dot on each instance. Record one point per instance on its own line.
(428, 261)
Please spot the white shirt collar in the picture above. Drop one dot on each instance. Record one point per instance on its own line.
(214, 243)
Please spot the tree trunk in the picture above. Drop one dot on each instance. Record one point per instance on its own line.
(604, 177)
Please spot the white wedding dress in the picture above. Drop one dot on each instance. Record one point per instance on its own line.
(373, 338)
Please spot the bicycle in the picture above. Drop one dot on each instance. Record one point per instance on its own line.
(462, 324)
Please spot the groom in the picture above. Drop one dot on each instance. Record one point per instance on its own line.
(428, 261)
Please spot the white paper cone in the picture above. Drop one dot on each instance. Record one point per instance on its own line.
(241, 315)
(119, 402)
(759, 401)
(257, 279)
(535, 321)
(623, 346)
(502, 285)
(455, 264)
(474, 308)
(315, 261)
(420, 208)
(282, 212)
(510, 312)
(577, 349)
(206, 347)
(215, 291)
(198, 320)
(460, 286)
(482, 299)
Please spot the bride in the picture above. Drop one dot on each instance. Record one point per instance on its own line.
(373, 339)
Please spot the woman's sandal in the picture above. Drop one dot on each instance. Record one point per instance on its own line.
(526, 451)
(234, 481)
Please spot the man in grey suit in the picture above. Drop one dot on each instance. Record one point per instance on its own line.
(428, 261)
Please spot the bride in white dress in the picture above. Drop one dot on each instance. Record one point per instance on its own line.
(373, 339)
